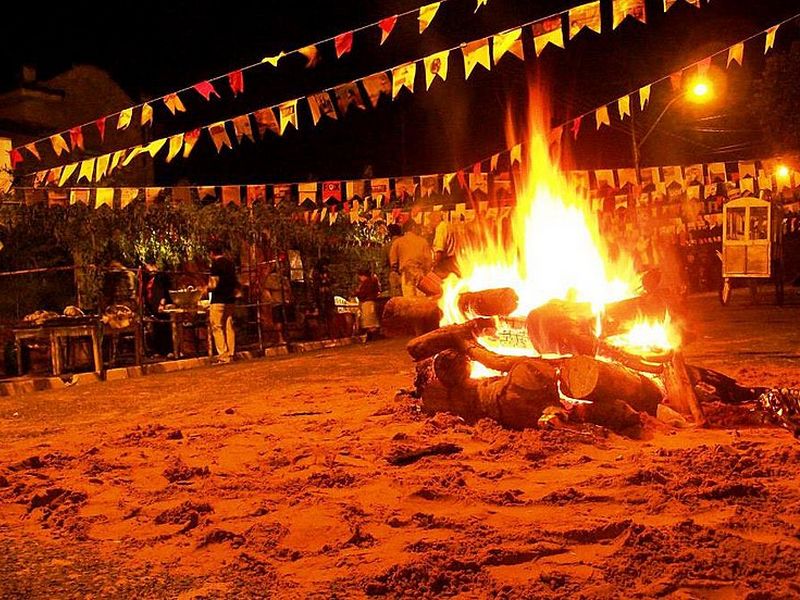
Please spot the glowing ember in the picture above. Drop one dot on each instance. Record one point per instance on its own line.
(478, 370)
(647, 337)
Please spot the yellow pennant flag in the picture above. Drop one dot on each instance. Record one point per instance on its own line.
(436, 65)
(288, 114)
(624, 106)
(147, 114)
(174, 104)
(59, 144)
(87, 170)
(102, 166)
(175, 145)
(601, 116)
(156, 145)
(273, 60)
(586, 15)
(115, 160)
(516, 154)
(770, 41)
(644, 96)
(735, 53)
(33, 150)
(547, 31)
(104, 197)
(511, 41)
(127, 195)
(426, 14)
(481, 3)
(447, 182)
(136, 151)
(79, 196)
(66, 173)
(626, 8)
(312, 55)
(219, 135)
(476, 53)
(125, 118)
(403, 77)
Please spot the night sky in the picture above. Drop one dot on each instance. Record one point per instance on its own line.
(152, 49)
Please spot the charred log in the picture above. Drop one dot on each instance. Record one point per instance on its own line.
(451, 367)
(616, 415)
(414, 316)
(446, 338)
(560, 327)
(488, 303)
(680, 391)
(517, 400)
(585, 378)
(711, 386)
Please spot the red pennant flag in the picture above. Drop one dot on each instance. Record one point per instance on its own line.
(76, 137)
(476, 168)
(189, 140)
(387, 25)
(462, 180)
(205, 89)
(576, 126)
(16, 157)
(343, 43)
(101, 127)
(236, 80)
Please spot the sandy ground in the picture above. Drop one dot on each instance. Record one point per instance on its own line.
(270, 479)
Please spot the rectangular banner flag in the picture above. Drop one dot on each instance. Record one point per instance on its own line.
(584, 16)
(436, 65)
(348, 95)
(547, 31)
(332, 190)
(321, 104)
(379, 188)
(376, 85)
(476, 53)
(256, 193)
(355, 188)
(510, 42)
(288, 114)
(625, 8)
(403, 77)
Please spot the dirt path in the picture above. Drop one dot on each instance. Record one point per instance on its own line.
(270, 479)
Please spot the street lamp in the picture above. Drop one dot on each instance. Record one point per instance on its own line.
(699, 91)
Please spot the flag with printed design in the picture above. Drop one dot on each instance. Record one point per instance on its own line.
(343, 43)
(147, 114)
(175, 145)
(403, 77)
(104, 197)
(206, 89)
(672, 174)
(585, 16)
(86, 170)
(101, 166)
(266, 121)
(508, 42)
(332, 190)
(387, 26)
(321, 104)
(547, 31)
(125, 118)
(376, 85)
(174, 103)
(242, 128)
(405, 187)
(476, 53)
(219, 135)
(429, 185)
(379, 188)
(436, 66)
(348, 95)
(628, 8)
(53, 176)
(190, 139)
(288, 114)
(40, 178)
(605, 178)
(426, 15)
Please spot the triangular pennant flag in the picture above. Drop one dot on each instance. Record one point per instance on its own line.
(624, 8)
(174, 104)
(76, 137)
(231, 194)
(436, 64)
(321, 104)
(40, 177)
(236, 81)
(735, 53)
(644, 96)
(219, 135)
(376, 85)
(476, 53)
(343, 43)
(493, 162)
(312, 55)
(668, 4)
(584, 16)
(675, 80)
(510, 41)
(147, 114)
(54, 176)
(15, 157)
(154, 146)
(101, 127)
(87, 170)
(125, 118)
(273, 60)
(115, 160)
(134, 152)
(288, 114)
(403, 77)
(703, 66)
(770, 41)
(242, 128)
(33, 150)
(59, 144)
(426, 14)
(347, 95)
(104, 197)
(601, 116)
(576, 126)
(205, 89)
(481, 3)
(547, 31)
(102, 166)
(266, 121)
(387, 26)
(516, 154)
(175, 145)
(624, 107)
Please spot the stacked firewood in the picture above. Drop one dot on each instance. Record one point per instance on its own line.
(591, 381)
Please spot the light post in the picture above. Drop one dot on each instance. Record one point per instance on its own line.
(698, 92)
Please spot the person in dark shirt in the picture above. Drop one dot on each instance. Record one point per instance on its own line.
(223, 286)
(156, 297)
(369, 288)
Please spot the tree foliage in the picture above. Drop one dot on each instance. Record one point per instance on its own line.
(775, 100)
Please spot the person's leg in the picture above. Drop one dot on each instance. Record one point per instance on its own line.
(216, 314)
(230, 332)
(408, 284)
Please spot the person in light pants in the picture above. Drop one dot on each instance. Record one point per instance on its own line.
(224, 287)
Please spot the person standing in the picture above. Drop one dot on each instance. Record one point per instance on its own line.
(223, 286)
(395, 232)
(410, 255)
(444, 246)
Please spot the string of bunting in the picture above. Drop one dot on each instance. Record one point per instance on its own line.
(348, 96)
(172, 101)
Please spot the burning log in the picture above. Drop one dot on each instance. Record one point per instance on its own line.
(617, 315)
(488, 303)
(585, 378)
(447, 337)
(403, 316)
(680, 391)
(560, 327)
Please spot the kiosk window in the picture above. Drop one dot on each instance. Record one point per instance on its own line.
(735, 224)
(759, 222)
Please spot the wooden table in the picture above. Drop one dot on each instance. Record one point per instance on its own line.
(55, 333)
(174, 316)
